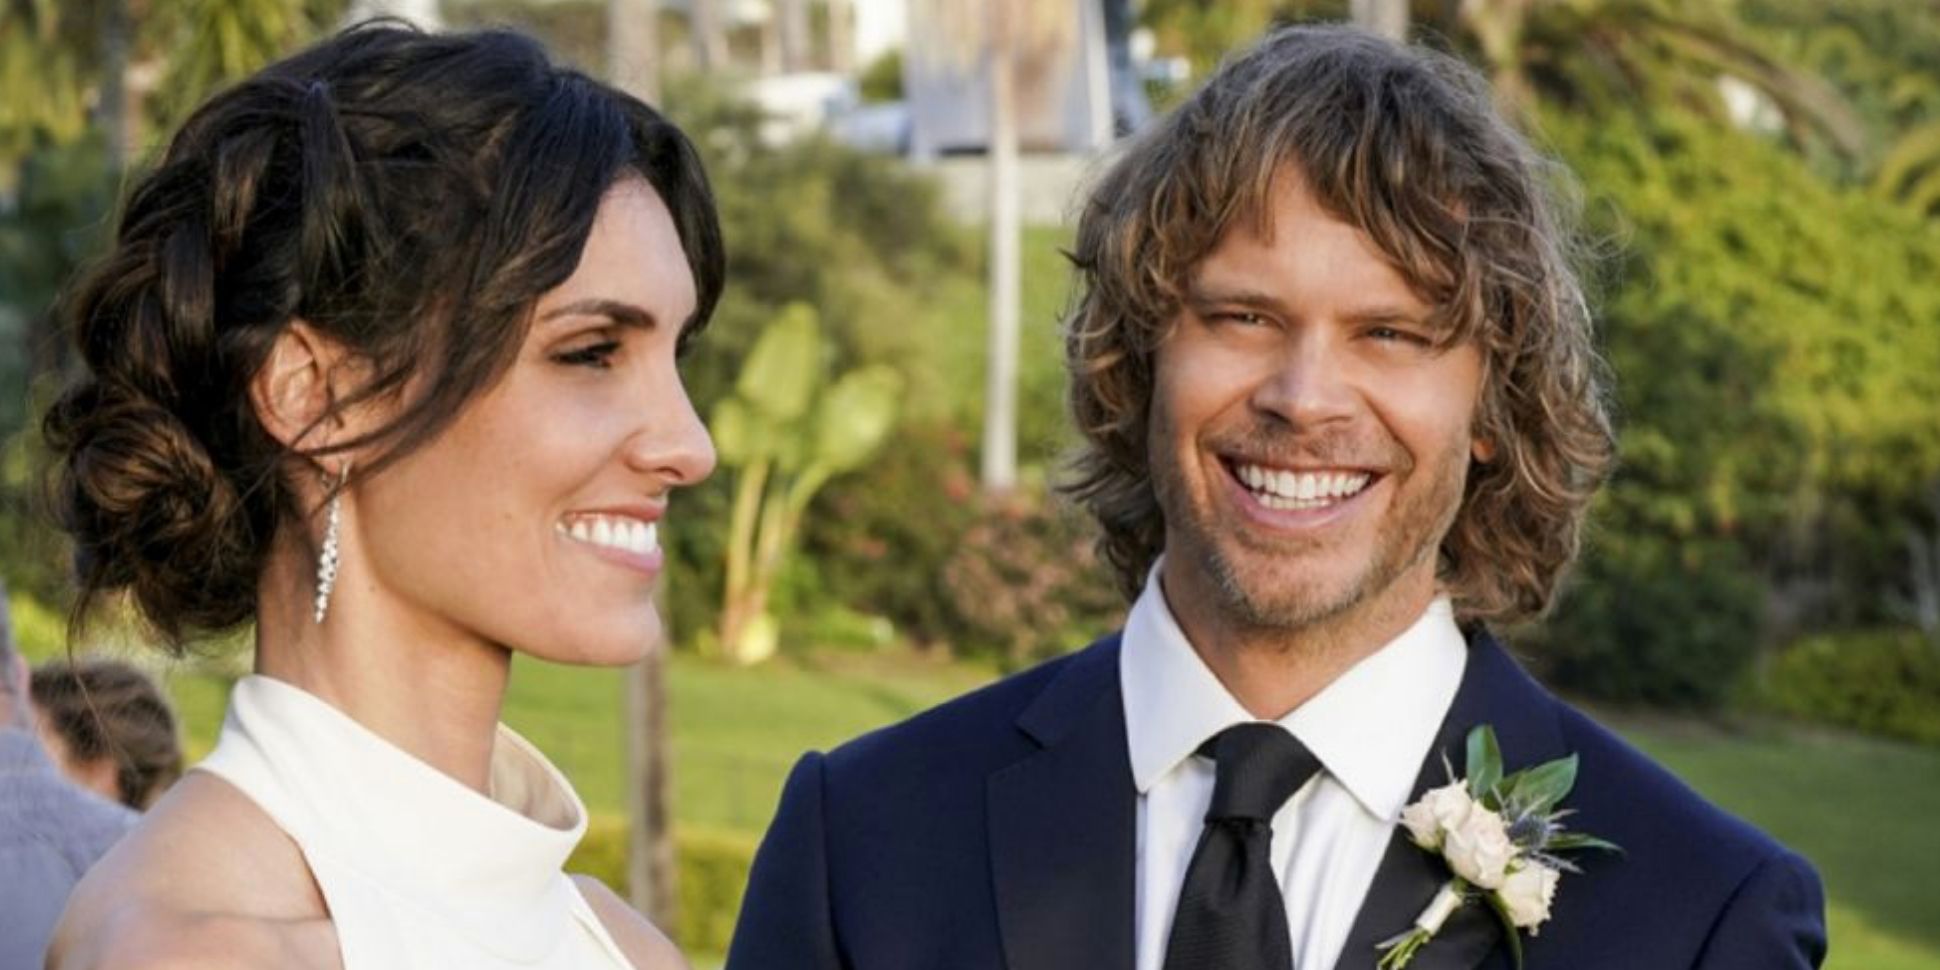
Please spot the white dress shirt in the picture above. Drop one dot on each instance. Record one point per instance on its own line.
(1371, 729)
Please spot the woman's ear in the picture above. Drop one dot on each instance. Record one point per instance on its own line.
(292, 391)
(1483, 451)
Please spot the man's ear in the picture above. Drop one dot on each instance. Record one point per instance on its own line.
(292, 391)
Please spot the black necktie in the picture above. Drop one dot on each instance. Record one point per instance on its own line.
(1231, 915)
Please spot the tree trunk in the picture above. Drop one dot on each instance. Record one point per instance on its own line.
(1389, 18)
(111, 112)
(650, 842)
(1000, 385)
(841, 37)
(1497, 27)
(797, 51)
(633, 47)
(424, 13)
(710, 37)
(633, 62)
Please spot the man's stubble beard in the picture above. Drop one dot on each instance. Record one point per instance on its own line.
(1247, 598)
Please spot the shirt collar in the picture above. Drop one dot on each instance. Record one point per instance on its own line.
(1173, 703)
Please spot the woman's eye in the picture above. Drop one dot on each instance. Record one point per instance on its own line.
(598, 355)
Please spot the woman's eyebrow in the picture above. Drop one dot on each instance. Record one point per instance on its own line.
(619, 311)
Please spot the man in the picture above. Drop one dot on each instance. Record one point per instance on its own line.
(51, 830)
(1341, 411)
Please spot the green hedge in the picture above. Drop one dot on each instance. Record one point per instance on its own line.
(38, 631)
(1884, 682)
(711, 874)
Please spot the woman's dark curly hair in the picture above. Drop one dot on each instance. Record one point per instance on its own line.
(1406, 145)
(410, 196)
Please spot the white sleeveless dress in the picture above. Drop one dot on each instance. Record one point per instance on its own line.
(418, 870)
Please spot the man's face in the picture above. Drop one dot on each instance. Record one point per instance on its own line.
(1309, 437)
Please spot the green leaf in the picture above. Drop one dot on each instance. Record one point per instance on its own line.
(783, 369)
(1577, 840)
(735, 437)
(855, 416)
(1539, 789)
(1484, 762)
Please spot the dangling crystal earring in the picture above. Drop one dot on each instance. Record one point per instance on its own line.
(327, 559)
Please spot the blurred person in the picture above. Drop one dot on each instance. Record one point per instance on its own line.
(107, 725)
(383, 361)
(51, 830)
(1341, 413)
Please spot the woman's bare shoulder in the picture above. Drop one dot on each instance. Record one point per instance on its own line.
(644, 945)
(150, 936)
(206, 880)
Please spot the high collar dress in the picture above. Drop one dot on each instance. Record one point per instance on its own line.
(418, 870)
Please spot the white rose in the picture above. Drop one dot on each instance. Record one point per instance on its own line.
(1437, 812)
(1527, 892)
(1479, 849)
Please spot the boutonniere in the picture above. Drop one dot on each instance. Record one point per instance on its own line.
(1500, 835)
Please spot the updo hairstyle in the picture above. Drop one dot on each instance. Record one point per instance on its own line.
(408, 195)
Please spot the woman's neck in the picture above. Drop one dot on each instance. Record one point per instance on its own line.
(432, 689)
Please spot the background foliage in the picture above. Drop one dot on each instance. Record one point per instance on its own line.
(1759, 180)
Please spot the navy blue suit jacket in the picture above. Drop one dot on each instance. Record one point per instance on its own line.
(997, 831)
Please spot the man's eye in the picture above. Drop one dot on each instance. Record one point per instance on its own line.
(1397, 335)
(1245, 318)
(598, 355)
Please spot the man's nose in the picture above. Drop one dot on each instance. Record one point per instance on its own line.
(1309, 386)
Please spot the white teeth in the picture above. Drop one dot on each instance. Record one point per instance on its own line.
(1282, 489)
(616, 532)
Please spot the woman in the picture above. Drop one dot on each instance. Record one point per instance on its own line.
(109, 728)
(383, 360)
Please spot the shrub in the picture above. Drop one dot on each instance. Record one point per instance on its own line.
(880, 538)
(1657, 623)
(1025, 582)
(1884, 682)
(712, 873)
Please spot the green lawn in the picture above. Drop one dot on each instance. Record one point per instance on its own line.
(1858, 808)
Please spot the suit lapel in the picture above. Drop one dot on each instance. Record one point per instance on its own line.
(1062, 826)
(1494, 691)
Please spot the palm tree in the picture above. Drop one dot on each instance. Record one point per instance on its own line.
(999, 453)
(50, 56)
(791, 19)
(633, 47)
(209, 43)
(1389, 18)
(1910, 171)
(1651, 51)
(709, 34)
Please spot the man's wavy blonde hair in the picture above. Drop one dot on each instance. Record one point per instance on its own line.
(1405, 144)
